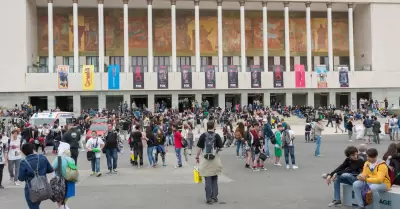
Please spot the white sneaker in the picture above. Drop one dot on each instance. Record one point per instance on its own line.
(350, 140)
(16, 183)
(277, 164)
(295, 167)
(287, 167)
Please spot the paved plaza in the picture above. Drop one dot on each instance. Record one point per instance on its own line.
(166, 187)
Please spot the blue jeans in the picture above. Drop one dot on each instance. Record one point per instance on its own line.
(266, 149)
(318, 145)
(170, 139)
(344, 178)
(112, 154)
(289, 150)
(96, 165)
(30, 204)
(178, 155)
(375, 188)
(150, 155)
(238, 145)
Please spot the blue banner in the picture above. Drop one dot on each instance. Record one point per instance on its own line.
(113, 77)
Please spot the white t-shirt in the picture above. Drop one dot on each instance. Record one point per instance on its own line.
(291, 134)
(95, 143)
(14, 151)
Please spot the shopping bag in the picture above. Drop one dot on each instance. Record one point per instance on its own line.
(132, 157)
(196, 175)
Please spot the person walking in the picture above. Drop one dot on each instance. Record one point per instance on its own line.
(178, 145)
(3, 162)
(349, 127)
(319, 127)
(111, 150)
(338, 121)
(72, 137)
(96, 145)
(13, 156)
(210, 165)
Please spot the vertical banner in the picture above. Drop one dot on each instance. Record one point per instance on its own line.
(344, 76)
(278, 76)
(255, 76)
(138, 78)
(62, 72)
(321, 76)
(186, 77)
(233, 76)
(209, 71)
(162, 77)
(113, 77)
(300, 76)
(88, 77)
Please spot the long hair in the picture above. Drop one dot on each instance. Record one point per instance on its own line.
(390, 151)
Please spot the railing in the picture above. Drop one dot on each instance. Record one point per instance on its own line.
(142, 68)
(363, 68)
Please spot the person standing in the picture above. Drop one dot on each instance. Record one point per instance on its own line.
(376, 129)
(136, 145)
(96, 145)
(318, 133)
(210, 165)
(13, 156)
(178, 145)
(349, 127)
(111, 149)
(338, 121)
(72, 137)
(267, 134)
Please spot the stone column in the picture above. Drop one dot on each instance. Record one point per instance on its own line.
(221, 100)
(175, 100)
(102, 101)
(351, 38)
(220, 37)
(308, 32)
(287, 38)
(330, 44)
(51, 102)
(244, 99)
(242, 38)
(126, 37)
(289, 99)
(150, 62)
(267, 99)
(50, 36)
(76, 103)
(310, 98)
(197, 34)
(173, 34)
(150, 101)
(265, 36)
(76, 38)
(101, 35)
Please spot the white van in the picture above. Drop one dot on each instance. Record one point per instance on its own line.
(52, 118)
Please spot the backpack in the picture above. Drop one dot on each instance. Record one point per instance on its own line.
(285, 138)
(57, 184)
(391, 173)
(209, 146)
(273, 139)
(39, 188)
(71, 173)
(368, 123)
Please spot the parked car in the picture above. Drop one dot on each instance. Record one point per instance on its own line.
(100, 128)
(99, 120)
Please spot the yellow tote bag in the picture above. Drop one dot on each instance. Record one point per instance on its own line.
(196, 175)
(132, 157)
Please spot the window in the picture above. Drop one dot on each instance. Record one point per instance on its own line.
(205, 61)
(44, 64)
(70, 62)
(183, 61)
(249, 61)
(228, 61)
(271, 62)
(161, 61)
(93, 61)
(282, 61)
(139, 61)
(291, 63)
(117, 61)
(324, 61)
(344, 61)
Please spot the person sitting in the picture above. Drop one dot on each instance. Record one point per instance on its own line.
(375, 174)
(394, 164)
(346, 173)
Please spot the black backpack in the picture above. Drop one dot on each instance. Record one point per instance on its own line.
(209, 146)
(273, 139)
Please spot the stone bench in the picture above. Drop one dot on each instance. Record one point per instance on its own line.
(389, 200)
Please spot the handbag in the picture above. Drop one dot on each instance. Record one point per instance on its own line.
(90, 155)
(366, 194)
(196, 175)
(263, 156)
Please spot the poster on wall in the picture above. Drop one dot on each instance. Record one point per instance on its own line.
(113, 77)
(255, 76)
(321, 76)
(278, 76)
(209, 72)
(162, 77)
(300, 76)
(186, 77)
(138, 77)
(344, 76)
(233, 76)
(88, 77)
(62, 75)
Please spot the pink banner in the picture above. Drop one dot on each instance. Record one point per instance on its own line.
(300, 76)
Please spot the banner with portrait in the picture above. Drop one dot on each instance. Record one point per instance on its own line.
(278, 76)
(113, 77)
(186, 77)
(209, 72)
(233, 77)
(162, 77)
(62, 75)
(88, 77)
(321, 76)
(344, 76)
(300, 76)
(138, 77)
(255, 76)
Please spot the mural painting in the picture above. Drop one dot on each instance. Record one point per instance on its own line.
(43, 34)
(208, 35)
(276, 35)
(162, 34)
(231, 35)
(81, 31)
(60, 34)
(137, 34)
(340, 35)
(114, 32)
(297, 36)
(319, 30)
(183, 34)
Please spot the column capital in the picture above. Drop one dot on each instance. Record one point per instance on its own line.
(100, 1)
(49, 1)
(196, 2)
(241, 3)
(308, 4)
(264, 4)
(219, 2)
(125, 1)
(173, 2)
(350, 5)
(286, 4)
(149, 2)
(329, 5)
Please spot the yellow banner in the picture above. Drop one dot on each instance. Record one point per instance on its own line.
(62, 71)
(88, 77)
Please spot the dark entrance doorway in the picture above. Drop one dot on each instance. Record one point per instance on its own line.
(39, 103)
(141, 101)
(89, 102)
(65, 103)
(255, 99)
(166, 100)
(299, 99)
(277, 99)
(342, 99)
(185, 101)
(211, 98)
(112, 102)
(366, 96)
(321, 100)
(231, 100)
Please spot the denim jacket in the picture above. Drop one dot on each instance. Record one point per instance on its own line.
(26, 173)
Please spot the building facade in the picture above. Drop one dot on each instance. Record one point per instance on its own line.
(108, 51)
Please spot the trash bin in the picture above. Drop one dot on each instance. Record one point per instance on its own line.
(387, 128)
